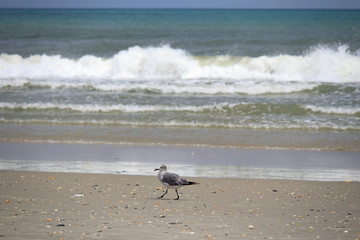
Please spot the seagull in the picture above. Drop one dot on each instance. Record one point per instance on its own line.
(171, 180)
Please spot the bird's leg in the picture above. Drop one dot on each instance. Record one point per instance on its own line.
(163, 194)
(177, 195)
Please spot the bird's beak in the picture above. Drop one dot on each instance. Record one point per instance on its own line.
(156, 169)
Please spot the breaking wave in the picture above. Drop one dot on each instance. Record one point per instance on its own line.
(321, 64)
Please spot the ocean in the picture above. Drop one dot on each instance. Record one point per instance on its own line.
(268, 79)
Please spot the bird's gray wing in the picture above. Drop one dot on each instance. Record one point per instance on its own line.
(173, 179)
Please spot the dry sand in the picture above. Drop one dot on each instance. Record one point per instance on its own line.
(37, 205)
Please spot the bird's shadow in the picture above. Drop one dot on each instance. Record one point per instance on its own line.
(170, 199)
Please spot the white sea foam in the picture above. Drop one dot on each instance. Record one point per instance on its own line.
(237, 108)
(13, 82)
(333, 110)
(88, 108)
(321, 64)
(246, 123)
(211, 87)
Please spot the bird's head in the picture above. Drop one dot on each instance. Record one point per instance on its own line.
(163, 168)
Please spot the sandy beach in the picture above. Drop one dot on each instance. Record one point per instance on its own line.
(40, 205)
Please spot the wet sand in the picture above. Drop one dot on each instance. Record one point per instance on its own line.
(187, 161)
(40, 205)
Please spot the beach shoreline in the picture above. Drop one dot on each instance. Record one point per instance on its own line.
(188, 161)
(48, 205)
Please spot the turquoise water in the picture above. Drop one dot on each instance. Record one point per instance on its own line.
(103, 33)
(207, 70)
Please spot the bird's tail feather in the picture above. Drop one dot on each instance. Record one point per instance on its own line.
(192, 183)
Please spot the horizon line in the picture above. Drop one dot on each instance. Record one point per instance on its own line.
(163, 8)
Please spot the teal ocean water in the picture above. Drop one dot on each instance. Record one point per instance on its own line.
(246, 78)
